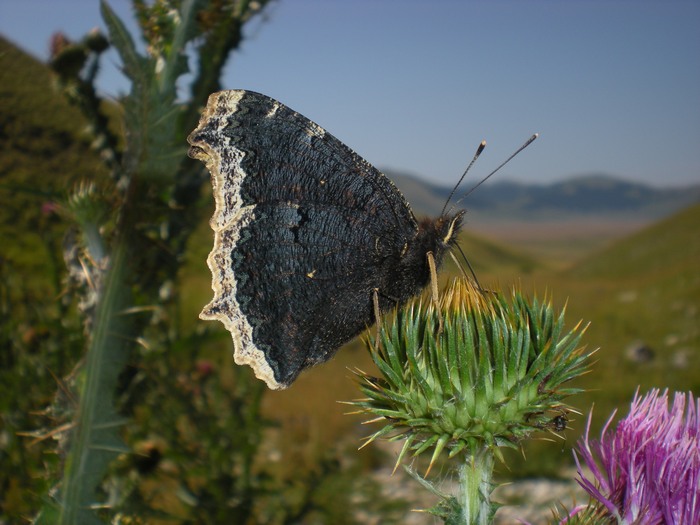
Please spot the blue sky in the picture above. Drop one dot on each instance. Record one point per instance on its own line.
(612, 86)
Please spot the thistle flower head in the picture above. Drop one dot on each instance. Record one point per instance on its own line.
(647, 470)
(478, 371)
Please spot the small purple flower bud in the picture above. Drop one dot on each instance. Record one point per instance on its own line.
(49, 208)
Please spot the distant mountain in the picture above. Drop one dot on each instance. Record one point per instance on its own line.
(595, 196)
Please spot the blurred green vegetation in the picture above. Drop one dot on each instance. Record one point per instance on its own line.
(41, 337)
(644, 289)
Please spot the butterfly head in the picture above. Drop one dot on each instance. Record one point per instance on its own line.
(437, 235)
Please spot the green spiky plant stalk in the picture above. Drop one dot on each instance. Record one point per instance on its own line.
(475, 373)
(129, 243)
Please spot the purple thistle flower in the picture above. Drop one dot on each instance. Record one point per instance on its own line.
(647, 470)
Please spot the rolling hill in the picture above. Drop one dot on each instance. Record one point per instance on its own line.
(670, 248)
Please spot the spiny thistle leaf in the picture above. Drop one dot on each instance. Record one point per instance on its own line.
(135, 66)
(479, 371)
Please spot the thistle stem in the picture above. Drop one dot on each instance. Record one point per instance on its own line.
(475, 487)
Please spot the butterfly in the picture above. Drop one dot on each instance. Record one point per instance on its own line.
(310, 240)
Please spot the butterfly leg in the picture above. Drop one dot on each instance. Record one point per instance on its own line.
(434, 287)
(377, 312)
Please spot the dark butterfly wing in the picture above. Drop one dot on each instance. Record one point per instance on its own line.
(305, 231)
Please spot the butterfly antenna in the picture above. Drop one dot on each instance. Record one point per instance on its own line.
(525, 145)
(476, 156)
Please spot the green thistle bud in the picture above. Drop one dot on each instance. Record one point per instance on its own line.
(90, 211)
(477, 372)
